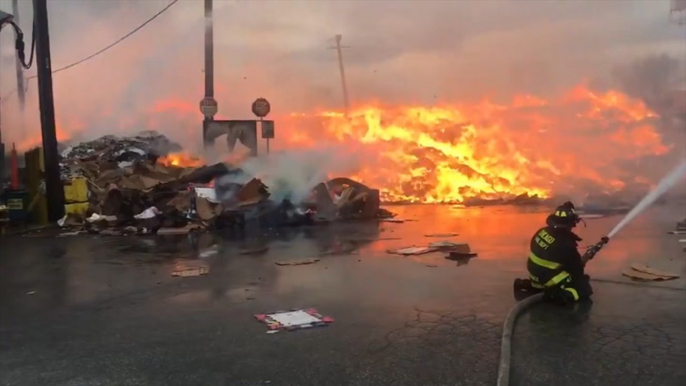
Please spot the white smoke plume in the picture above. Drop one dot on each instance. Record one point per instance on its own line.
(293, 174)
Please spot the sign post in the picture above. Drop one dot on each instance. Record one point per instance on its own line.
(261, 108)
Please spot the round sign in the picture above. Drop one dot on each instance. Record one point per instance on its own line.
(261, 107)
(208, 107)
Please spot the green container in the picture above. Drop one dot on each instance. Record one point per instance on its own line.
(17, 202)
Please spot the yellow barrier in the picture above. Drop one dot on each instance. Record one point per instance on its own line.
(78, 209)
(75, 191)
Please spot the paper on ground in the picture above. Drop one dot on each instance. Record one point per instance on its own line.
(294, 318)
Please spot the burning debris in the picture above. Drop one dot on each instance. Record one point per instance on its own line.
(134, 186)
(110, 152)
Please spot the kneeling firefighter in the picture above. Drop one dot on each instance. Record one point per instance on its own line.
(555, 265)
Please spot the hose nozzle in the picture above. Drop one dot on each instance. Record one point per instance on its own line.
(593, 249)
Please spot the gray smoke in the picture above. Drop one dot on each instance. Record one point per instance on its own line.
(293, 174)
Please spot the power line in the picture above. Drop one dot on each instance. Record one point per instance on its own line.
(115, 43)
(102, 50)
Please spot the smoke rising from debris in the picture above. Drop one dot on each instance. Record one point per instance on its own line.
(292, 174)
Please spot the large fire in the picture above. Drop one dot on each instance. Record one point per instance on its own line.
(531, 146)
(581, 141)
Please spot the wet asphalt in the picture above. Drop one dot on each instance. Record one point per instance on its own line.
(87, 310)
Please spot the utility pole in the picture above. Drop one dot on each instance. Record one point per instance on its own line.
(2, 147)
(344, 83)
(53, 183)
(208, 106)
(21, 93)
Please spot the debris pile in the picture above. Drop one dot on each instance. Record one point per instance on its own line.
(130, 192)
(110, 152)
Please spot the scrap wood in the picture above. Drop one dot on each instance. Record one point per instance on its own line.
(642, 276)
(206, 210)
(253, 191)
(446, 245)
(342, 199)
(190, 271)
(396, 220)
(440, 235)
(412, 250)
(455, 256)
(652, 271)
(296, 262)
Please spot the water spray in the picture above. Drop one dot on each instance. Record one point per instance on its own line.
(665, 184)
(505, 349)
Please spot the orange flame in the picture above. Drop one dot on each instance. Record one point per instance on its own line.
(181, 159)
(450, 153)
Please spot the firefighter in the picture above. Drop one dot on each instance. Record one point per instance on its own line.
(555, 265)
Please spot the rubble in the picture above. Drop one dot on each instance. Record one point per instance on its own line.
(129, 191)
(115, 151)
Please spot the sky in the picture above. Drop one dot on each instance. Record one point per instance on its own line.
(401, 52)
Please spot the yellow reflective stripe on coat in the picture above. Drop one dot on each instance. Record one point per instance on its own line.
(543, 263)
(557, 279)
(573, 292)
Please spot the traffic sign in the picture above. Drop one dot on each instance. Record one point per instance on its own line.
(208, 107)
(267, 129)
(261, 107)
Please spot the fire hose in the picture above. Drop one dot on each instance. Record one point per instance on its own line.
(517, 309)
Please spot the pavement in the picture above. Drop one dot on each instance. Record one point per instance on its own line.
(90, 310)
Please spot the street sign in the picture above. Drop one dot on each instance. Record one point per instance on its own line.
(267, 129)
(261, 107)
(208, 107)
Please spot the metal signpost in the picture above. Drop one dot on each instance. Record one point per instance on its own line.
(261, 109)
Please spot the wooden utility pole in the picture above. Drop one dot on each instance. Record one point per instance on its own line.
(208, 105)
(21, 93)
(53, 183)
(344, 84)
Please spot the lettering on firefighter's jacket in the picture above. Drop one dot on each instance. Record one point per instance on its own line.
(544, 239)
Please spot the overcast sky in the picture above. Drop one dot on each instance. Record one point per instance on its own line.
(400, 52)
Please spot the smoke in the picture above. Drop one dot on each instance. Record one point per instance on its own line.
(660, 81)
(402, 52)
(293, 174)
